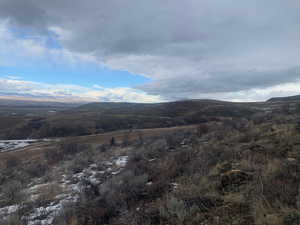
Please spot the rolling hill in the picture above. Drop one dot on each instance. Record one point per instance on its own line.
(103, 117)
(59, 120)
(285, 99)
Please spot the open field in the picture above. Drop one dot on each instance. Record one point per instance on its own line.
(35, 151)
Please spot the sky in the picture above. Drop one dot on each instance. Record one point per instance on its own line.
(149, 51)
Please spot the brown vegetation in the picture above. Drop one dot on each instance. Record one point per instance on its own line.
(241, 171)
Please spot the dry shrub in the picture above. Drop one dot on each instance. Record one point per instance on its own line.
(12, 161)
(246, 165)
(202, 129)
(13, 192)
(264, 214)
(279, 182)
(36, 169)
(64, 150)
(273, 168)
(13, 219)
(77, 164)
(67, 216)
(49, 192)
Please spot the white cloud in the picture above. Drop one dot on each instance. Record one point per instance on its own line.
(256, 94)
(13, 77)
(16, 51)
(71, 93)
(15, 88)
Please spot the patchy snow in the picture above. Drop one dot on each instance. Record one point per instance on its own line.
(10, 145)
(175, 185)
(94, 165)
(116, 172)
(20, 140)
(36, 187)
(121, 161)
(45, 215)
(107, 163)
(8, 210)
(6, 146)
(71, 185)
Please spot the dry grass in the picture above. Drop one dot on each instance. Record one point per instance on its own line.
(49, 191)
(35, 152)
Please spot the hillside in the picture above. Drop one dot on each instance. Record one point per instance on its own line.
(15, 114)
(235, 170)
(285, 99)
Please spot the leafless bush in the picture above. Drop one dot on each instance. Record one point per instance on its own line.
(126, 139)
(66, 216)
(202, 129)
(64, 150)
(49, 192)
(13, 192)
(176, 211)
(13, 219)
(36, 169)
(173, 140)
(12, 161)
(80, 162)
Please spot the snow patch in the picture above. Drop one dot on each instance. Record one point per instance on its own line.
(121, 161)
(8, 210)
(10, 145)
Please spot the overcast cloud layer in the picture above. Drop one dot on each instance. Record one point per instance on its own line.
(190, 49)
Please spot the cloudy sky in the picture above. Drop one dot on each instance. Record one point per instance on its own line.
(149, 51)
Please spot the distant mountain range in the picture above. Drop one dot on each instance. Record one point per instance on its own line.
(28, 119)
(83, 106)
(17, 102)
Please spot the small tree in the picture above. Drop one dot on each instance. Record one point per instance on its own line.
(112, 141)
(141, 138)
(202, 129)
(298, 108)
(125, 141)
(297, 127)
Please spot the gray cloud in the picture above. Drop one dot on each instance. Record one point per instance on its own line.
(23, 13)
(223, 81)
(187, 47)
